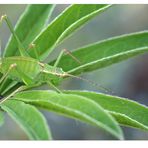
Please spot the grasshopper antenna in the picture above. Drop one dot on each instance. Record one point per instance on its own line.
(20, 46)
(107, 90)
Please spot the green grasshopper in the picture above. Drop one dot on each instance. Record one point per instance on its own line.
(29, 70)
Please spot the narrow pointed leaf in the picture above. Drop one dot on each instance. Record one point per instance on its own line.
(126, 112)
(29, 118)
(29, 25)
(64, 25)
(74, 106)
(106, 52)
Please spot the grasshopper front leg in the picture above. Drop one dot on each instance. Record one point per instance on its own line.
(61, 54)
(52, 85)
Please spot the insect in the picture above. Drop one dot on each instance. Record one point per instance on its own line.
(30, 70)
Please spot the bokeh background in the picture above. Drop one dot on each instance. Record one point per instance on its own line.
(127, 79)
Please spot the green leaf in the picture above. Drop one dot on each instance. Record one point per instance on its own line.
(126, 112)
(65, 24)
(29, 118)
(29, 25)
(1, 118)
(73, 106)
(106, 52)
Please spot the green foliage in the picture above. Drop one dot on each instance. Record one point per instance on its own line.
(106, 52)
(74, 106)
(125, 111)
(64, 25)
(29, 118)
(29, 25)
(100, 110)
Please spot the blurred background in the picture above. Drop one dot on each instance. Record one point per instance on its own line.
(127, 79)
